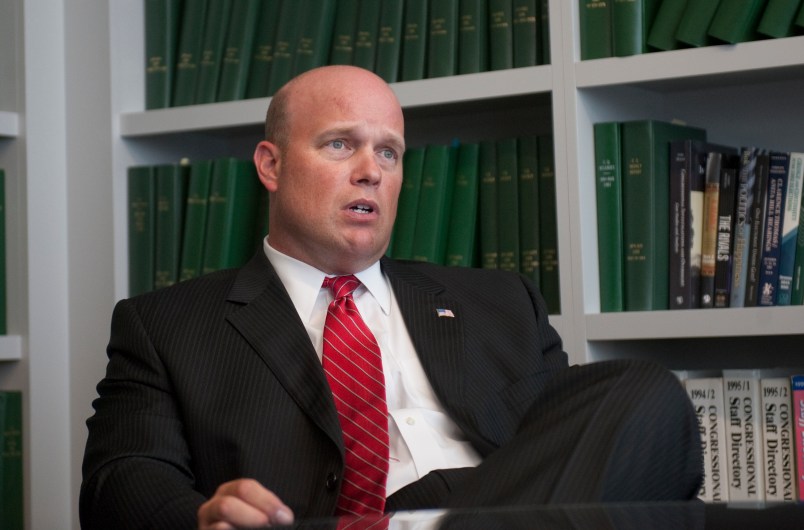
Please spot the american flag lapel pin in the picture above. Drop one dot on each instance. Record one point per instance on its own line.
(445, 313)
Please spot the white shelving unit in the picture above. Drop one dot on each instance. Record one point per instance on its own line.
(74, 121)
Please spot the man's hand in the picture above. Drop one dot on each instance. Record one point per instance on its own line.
(243, 503)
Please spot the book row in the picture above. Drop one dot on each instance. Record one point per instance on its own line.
(685, 223)
(11, 499)
(752, 434)
(487, 204)
(618, 28)
(222, 50)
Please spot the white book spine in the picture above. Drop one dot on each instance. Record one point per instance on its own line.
(706, 394)
(744, 436)
(777, 432)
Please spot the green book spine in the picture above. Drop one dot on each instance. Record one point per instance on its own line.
(595, 28)
(473, 39)
(262, 219)
(262, 55)
(645, 155)
(171, 196)
(694, 24)
(209, 69)
(406, 213)
(141, 229)
(544, 49)
(777, 19)
(233, 198)
(315, 35)
(631, 21)
(489, 251)
(528, 176)
(462, 231)
(389, 40)
(3, 278)
(526, 33)
(237, 52)
(343, 32)
(161, 35)
(609, 184)
(287, 32)
(435, 201)
(195, 219)
(501, 35)
(736, 20)
(368, 23)
(442, 47)
(800, 21)
(548, 230)
(188, 53)
(414, 43)
(12, 508)
(662, 34)
(508, 204)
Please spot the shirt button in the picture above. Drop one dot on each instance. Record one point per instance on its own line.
(410, 421)
(332, 481)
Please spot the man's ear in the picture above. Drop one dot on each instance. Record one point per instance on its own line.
(266, 160)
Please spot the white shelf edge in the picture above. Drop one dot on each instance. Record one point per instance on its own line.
(695, 323)
(10, 347)
(9, 124)
(411, 94)
(709, 61)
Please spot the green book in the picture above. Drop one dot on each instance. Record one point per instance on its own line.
(237, 52)
(209, 69)
(646, 226)
(462, 230)
(368, 23)
(315, 35)
(161, 35)
(489, 234)
(232, 207)
(435, 202)
(188, 53)
(544, 49)
(195, 219)
(406, 213)
(442, 49)
(800, 17)
(141, 229)
(594, 17)
(608, 187)
(778, 17)
(171, 197)
(501, 35)
(3, 278)
(262, 220)
(12, 508)
(789, 228)
(414, 43)
(694, 24)
(507, 205)
(287, 32)
(662, 34)
(528, 176)
(473, 37)
(344, 29)
(737, 20)
(389, 40)
(631, 21)
(526, 33)
(548, 230)
(262, 54)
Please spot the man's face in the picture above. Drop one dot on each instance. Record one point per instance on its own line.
(336, 183)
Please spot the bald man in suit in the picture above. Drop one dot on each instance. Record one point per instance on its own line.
(215, 411)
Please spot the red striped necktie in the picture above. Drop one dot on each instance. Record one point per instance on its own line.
(353, 366)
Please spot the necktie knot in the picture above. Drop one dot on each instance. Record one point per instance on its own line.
(341, 286)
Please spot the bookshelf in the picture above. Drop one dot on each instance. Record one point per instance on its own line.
(83, 108)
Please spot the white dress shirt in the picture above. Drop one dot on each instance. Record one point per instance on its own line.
(422, 436)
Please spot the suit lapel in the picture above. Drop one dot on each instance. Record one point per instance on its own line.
(268, 321)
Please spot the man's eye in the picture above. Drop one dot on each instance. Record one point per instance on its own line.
(388, 154)
(337, 144)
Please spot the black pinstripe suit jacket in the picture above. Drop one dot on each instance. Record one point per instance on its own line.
(215, 379)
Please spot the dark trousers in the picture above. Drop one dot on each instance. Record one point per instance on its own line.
(615, 431)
